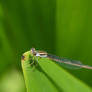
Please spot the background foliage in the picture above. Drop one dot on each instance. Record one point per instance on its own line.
(57, 26)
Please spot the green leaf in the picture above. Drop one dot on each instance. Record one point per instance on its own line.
(46, 76)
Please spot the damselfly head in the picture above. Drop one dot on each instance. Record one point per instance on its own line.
(33, 51)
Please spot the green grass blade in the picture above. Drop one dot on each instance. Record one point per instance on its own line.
(47, 76)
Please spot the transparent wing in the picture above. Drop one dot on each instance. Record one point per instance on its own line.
(68, 63)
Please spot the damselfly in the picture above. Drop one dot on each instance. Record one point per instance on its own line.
(57, 59)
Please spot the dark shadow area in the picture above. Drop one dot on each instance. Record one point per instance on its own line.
(49, 78)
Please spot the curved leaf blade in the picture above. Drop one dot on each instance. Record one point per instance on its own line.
(46, 76)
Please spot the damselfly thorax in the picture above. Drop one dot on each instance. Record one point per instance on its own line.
(39, 53)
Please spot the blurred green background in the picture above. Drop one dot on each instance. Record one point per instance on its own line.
(61, 27)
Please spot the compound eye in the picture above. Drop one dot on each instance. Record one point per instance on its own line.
(33, 51)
